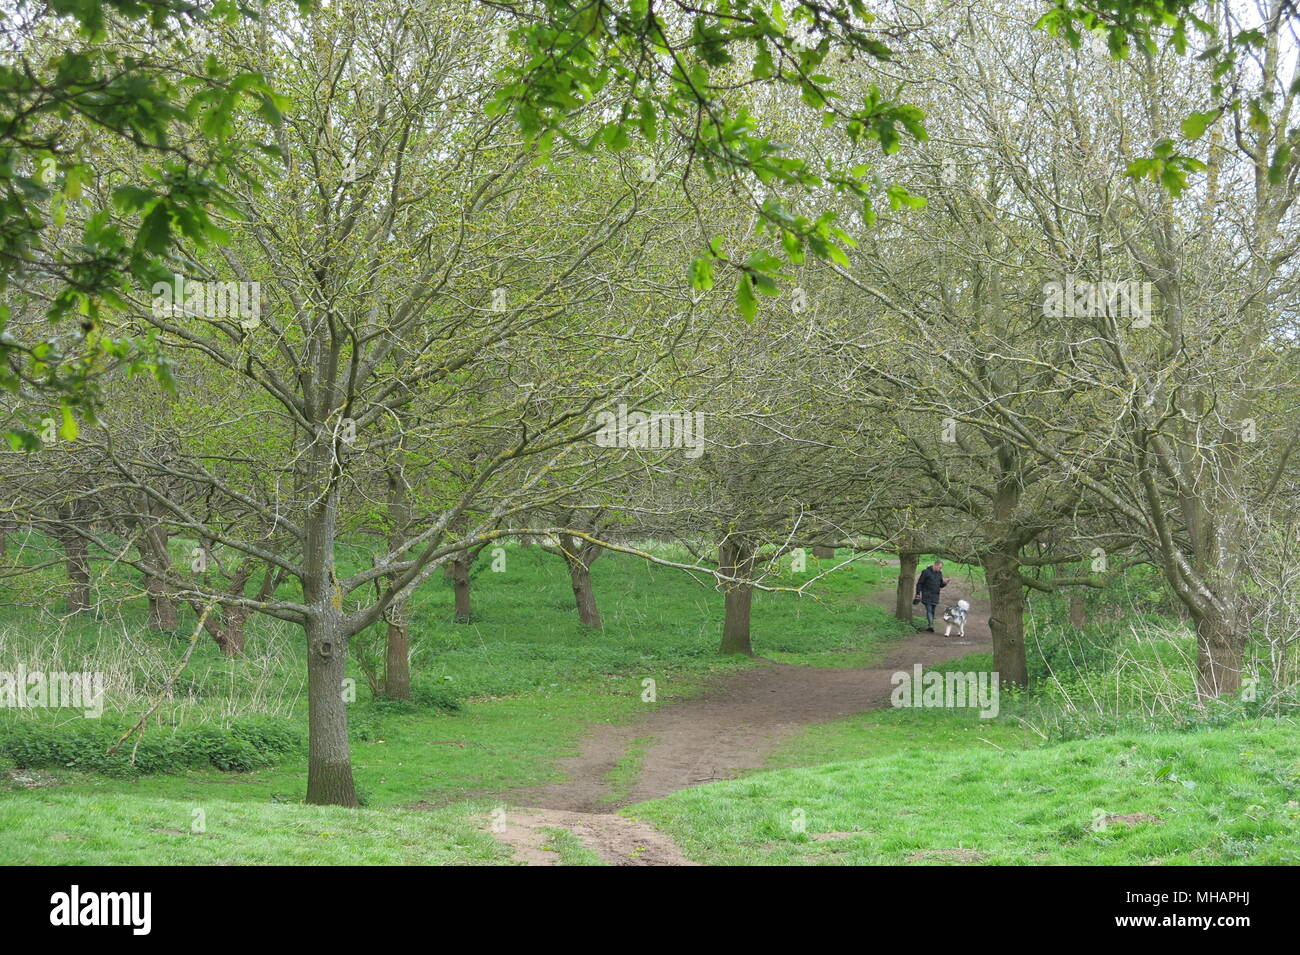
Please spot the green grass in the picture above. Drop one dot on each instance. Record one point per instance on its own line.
(532, 680)
(42, 827)
(892, 785)
(626, 771)
(1228, 797)
(570, 848)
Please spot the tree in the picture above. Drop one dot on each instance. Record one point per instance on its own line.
(410, 249)
(118, 75)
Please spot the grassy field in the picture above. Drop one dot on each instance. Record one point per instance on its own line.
(1211, 797)
(529, 680)
(514, 689)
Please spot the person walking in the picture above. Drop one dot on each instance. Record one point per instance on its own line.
(928, 586)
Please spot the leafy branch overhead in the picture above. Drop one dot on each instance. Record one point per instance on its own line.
(599, 74)
(1230, 47)
(81, 80)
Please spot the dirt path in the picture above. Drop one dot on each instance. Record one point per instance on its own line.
(616, 839)
(730, 727)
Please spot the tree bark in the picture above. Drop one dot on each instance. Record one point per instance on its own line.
(458, 571)
(906, 586)
(1220, 650)
(1078, 615)
(234, 631)
(74, 547)
(162, 607)
(584, 596)
(579, 556)
(736, 559)
(1007, 613)
(329, 758)
(397, 655)
(228, 625)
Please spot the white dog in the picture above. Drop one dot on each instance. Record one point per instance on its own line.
(956, 616)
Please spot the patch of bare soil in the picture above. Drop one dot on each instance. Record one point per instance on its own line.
(730, 727)
(616, 839)
(964, 856)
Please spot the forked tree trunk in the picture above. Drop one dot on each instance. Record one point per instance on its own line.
(906, 586)
(228, 625)
(736, 559)
(1007, 614)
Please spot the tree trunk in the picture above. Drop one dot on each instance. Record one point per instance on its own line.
(162, 608)
(1007, 614)
(1078, 615)
(1220, 649)
(822, 552)
(736, 559)
(579, 556)
(583, 595)
(234, 631)
(329, 759)
(74, 546)
(397, 655)
(1216, 530)
(458, 571)
(906, 586)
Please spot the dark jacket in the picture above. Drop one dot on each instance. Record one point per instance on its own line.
(929, 584)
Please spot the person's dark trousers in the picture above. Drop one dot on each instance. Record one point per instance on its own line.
(929, 612)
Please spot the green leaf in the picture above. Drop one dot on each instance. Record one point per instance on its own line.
(615, 136)
(702, 273)
(1194, 126)
(68, 429)
(746, 302)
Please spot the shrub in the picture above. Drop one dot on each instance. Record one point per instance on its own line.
(244, 745)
